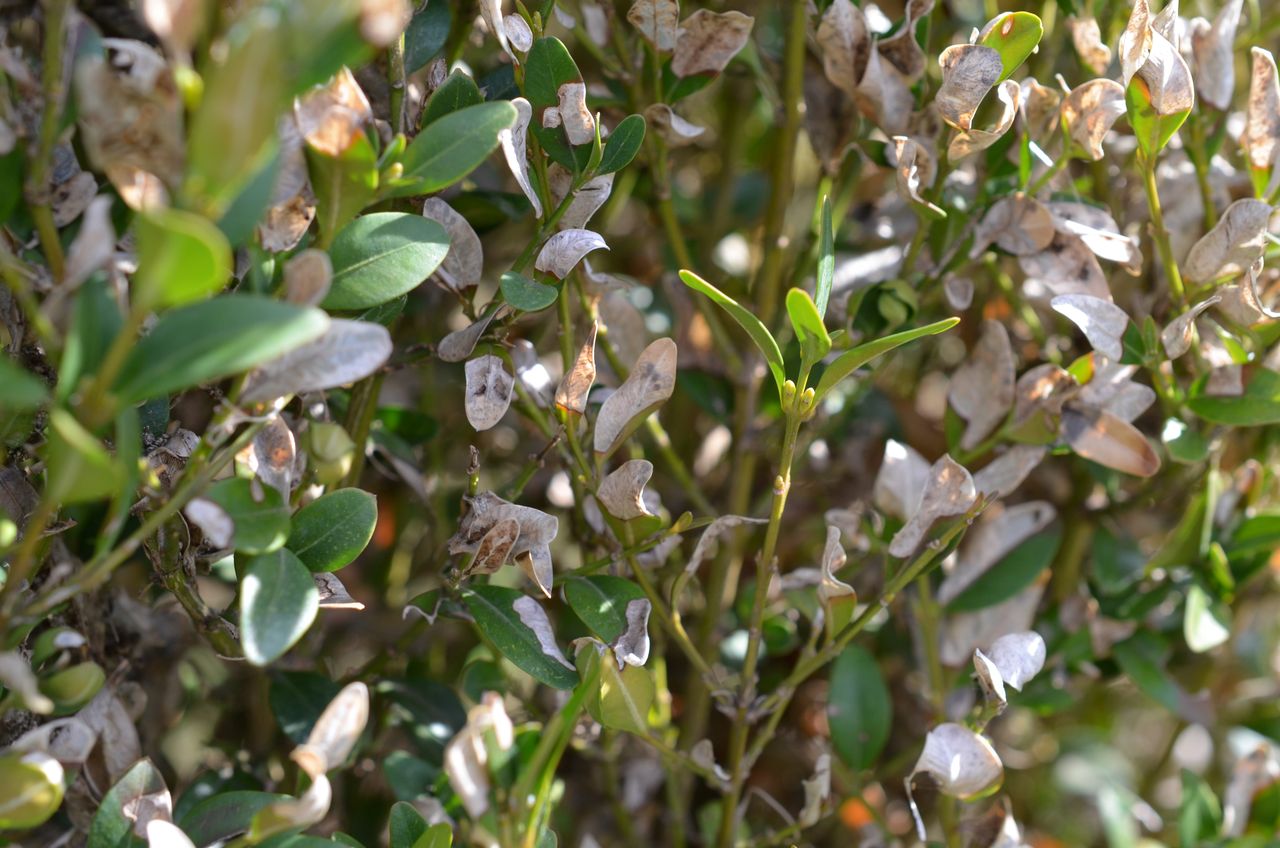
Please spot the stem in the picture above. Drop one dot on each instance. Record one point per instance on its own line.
(23, 560)
(360, 414)
(169, 567)
(1053, 171)
(1159, 233)
(1195, 152)
(396, 80)
(51, 88)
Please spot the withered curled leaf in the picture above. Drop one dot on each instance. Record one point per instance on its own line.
(1089, 111)
(1261, 136)
(336, 731)
(949, 492)
(345, 352)
(331, 117)
(513, 141)
(968, 142)
(495, 547)
(845, 44)
(1213, 52)
(1178, 334)
(621, 492)
(833, 559)
(1066, 266)
(565, 249)
(632, 647)
(675, 130)
(651, 382)
(1012, 660)
(533, 544)
(572, 113)
(962, 763)
(333, 592)
(1087, 38)
(968, 73)
(1102, 322)
(575, 386)
(982, 388)
(657, 21)
(1018, 224)
(1237, 241)
(489, 389)
(707, 40)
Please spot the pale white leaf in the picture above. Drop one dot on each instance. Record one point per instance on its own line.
(513, 140)
(949, 492)
(1178, 334)
(1213, 48)
(336, 731)
(565, 249)
(1018, 224)
(93, 246)
(657, 21)
(333, 593)
(214, 523)
(1067, 266)
(307, 277)
(632, 647)
(17, 677)
(1237, 241)
(962, 763)
(651, 382)
(982, 388)
(622, 491)
(489, 390)
(675, 130)
(833, 559)
(1089, 111)
(68, 740)
(534, 617)
(707, 40)
(572, 114)
(463, 265)
(1102, 322)
(163, 834)
(345, 352)
(901, 481)
(992, 538)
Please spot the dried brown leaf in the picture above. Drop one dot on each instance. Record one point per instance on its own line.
(657, 21)
(1108, 440)
(1087, 38)
(981, 389)
(707, 40)
(1089, 112)
(968, 73)
(332, 116)
(571, 394)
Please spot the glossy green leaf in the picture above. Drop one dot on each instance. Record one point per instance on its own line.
(1199, 813)
(458, 91)
(1151, 129)
(623, 145)
(30, 790)
(600, 600)
(1259, 405)
(95, 320)
(759, 334)
(378, 257)
(334, 529)
(451, 147)
(622, 698)
(1017, 570)
(1184, 444)
(1013, 35)
(852, 360)
(859, 710)
(437, 836)
(260, 523)
(1141, 659)
(495, 613)
(278, 602)
(212, 340)
(80, 469)
(225, 814)
(406, 827)
(426, 35)
(343, 184)
(20, 390)
(182, 257)
(297, 698)
(429, 712)
(525, 294)
(72, 688)
(826, 259)
(111, 828)
(806, 321)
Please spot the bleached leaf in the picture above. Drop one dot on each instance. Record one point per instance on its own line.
(992, 538)
(709, 542)
(463, 265)
(1018, 224)
(302, 812)
(534, 617)
(459, 344)
(901, 481)
(345, 352)
(844, 42)
(1135, 41)
(622, 491)
(331, 117)
(489, 390)
(1087, 38)
(68, 740)
(1102, 322)
(117, 734)
(1018, 657)
(962, 763)
(532, 547)
(491, 12)
(968, 73)
(335, 732)
(707, 40)
(1004, 474)
(1098, 230)
(1178, 334)
(833, 559)
(1167, 77)
(1066, 266)
(632, 647)
(981, 389)
(164, 834)
(657, 21)
(293, 204)
(675, 130)
(651, 382)
(1041, 110)
(495, 547)
(968, 142)
(274, 453)
(307, 277)
(1108, 440)
(519, 36)
(958, 290)
(466, 756)
(884, 96)
(383, 21)
(1113, 390)
(572, 114)
(949, 492)
(1237, 241)
(902, 50)
(1089, 112)
(17, 677)
(565, 249)
(915, 169)
(93, 246)
(214, 523)
(587, 200)
(966, 632)
(1213, 48)
(1261, 136)
(175, 22)
(575, 386)
(333, 592)
(513, 140)
(817, 790)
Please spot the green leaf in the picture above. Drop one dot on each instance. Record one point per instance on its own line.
(1184, 444)
(334, 529)
(297, 698)
(1259, 405)
(1151, 129)
(1017, 570)
(430, 712)
(1013, 35)
(858, 709)
(525, 294)
(807, 323)
(30, 791)
(600, 600)
(259, 526)
(278, 602)
(458, 91)
(95, 321)
(547, 67)
(852, 360)
(343, 184)
(1199, 814)
(623, 144)
(826, 259)
(623, 697)
(72, 688)
(1205, 624)
(80, 469)
(759, 334)
(212, 340)
(182, 257)
(493, 608)
(378, 257)
(451, 147)
(1139, 658)
(437, 836)
(111, 828)
(20, 390)
(226, 814)
(407, 825)
(426, 35)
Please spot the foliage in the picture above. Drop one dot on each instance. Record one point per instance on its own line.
(624, 423)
